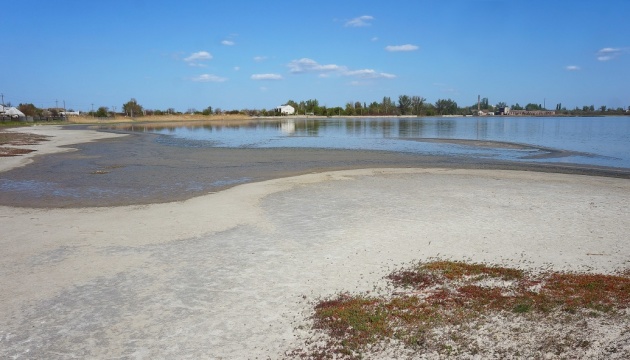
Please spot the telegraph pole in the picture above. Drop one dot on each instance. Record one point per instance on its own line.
(2, 99)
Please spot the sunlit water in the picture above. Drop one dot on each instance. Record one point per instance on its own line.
(601, 141)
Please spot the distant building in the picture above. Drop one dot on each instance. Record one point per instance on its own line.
(502, 111)
(11, 112)
(286, 110)
(70, 113)
(532, 112)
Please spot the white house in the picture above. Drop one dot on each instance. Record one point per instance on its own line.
(11, 112)
(286, 110)
(70, 113)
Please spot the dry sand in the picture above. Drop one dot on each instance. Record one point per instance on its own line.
(232, 274)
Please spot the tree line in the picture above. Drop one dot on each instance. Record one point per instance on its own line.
(405, 105)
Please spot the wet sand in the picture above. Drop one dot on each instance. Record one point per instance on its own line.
(233, 274)
(135, 169)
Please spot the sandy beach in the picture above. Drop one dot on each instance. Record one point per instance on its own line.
(233, 274)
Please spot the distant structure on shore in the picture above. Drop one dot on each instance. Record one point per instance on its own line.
(506, 111)
(530, 112)
(286, 110)
(10, 112)
(70, 113)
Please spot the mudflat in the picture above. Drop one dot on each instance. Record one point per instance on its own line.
(234, 273)
(131, 169)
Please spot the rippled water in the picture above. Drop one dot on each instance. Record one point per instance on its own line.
(603, 141)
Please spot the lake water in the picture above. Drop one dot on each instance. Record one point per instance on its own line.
(600, 141)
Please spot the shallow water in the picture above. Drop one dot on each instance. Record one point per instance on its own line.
(175, 163)
(600, 141)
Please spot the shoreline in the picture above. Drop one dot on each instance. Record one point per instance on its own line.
(132, 169)
(234, 274)
(57, 140)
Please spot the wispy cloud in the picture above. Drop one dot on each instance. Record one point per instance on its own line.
(208, 78)
(606, 54)
(397, 48)
(260, 58)
(573, 68)
(306, 65)
(369, 74)
(360, 21)
(228, 42)
(197, 59)
(374, 39)
(266, 77)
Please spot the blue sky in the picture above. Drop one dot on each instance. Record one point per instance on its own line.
(258, 54)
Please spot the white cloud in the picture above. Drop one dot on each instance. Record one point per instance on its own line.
(260, 58)
(374, 38)
(237, 68)
(266, 77)
(208, 78)
(369, 74)
(194, 58)
(227, 42)
(308, 65)
(573, 68)
(406, 47)
(360, 21)
(606, 54)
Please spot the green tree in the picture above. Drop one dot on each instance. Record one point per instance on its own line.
(417, 103)
(484, 104)
(293, 103)
(404, 104)
(446, 107)
(132, 108)
(312, 106)
(532, 107)
(374, 108)
(517, 106)
(349, 110)
(207, 111)
(387, 105)
(101, 112)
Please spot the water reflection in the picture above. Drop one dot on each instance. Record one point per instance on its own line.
(607, 138)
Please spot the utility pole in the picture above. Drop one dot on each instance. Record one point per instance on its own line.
(56, 104)
(92, 110)
(2, 99)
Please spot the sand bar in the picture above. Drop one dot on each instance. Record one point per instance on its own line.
(58, 141)
(232, 274)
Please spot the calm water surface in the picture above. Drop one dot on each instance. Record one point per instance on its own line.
(602, 141)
